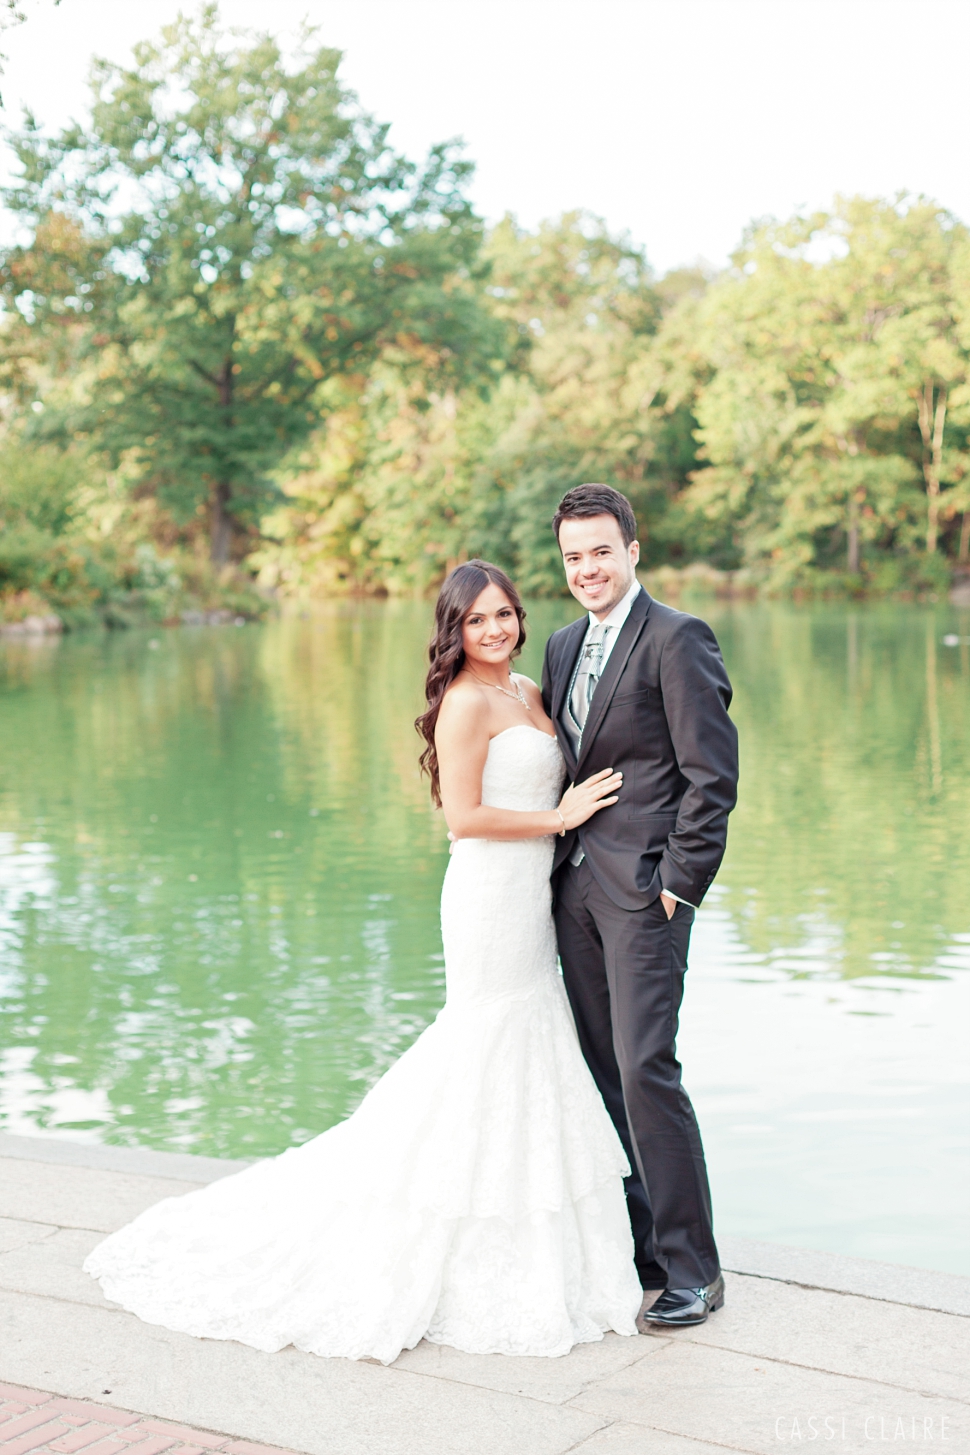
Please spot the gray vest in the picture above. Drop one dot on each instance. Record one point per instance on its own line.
(575, 735)
(567, 722)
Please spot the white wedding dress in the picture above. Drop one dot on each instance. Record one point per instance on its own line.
(475, 1198)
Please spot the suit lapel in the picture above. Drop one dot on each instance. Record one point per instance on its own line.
(564, 673)
(602, 697)
(567, 660)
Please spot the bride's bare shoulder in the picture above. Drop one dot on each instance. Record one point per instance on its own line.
(464, 706)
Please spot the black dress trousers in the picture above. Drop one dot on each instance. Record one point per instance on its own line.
(624, 973)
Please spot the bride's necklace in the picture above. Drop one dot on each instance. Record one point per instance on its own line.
(517, 696)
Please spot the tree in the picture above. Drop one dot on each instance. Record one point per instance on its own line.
(901, 260)
(823, 387)
(408, 476)
(228, 235)
(591, 404)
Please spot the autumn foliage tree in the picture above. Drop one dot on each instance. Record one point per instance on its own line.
(233, 295)
(228, 235)
(829, 370)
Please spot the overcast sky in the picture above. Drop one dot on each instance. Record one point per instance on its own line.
(676, 120)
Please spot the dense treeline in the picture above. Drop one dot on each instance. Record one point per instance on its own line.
(803, 421)
(245, 339)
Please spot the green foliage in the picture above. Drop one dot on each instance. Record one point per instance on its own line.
(46, 565)
(832, 396)
(226, 236)
(285, 344)
(73, 545)
(38, 488)
(406, 479)
(804, 417)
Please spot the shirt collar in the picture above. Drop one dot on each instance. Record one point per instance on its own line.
(621, 610)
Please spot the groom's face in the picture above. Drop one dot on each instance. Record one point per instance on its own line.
(599, 564)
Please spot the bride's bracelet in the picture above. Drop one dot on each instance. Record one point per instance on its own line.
(562, 831)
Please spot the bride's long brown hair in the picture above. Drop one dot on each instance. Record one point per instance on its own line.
(459, 592)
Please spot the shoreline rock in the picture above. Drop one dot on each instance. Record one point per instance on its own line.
(32, 626)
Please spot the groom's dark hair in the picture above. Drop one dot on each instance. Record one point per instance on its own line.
(584, 501)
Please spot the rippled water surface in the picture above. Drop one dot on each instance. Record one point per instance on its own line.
(219, 877)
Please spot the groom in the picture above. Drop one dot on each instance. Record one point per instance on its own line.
(641, 688)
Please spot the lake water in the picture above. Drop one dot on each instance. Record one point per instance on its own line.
(219, 877)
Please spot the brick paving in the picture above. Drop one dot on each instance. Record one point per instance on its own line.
(35, 1422)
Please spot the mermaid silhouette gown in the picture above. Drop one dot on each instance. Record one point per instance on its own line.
(475, 1197)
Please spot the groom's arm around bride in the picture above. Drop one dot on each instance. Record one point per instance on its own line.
(641, 688)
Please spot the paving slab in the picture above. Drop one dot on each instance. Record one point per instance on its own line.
(79, 1197)
(624, 1439)
(911, 1348)
(891, 1282)
(58, 1151)
(803, 1337)
(552, 1380)
(756, 1404)
(318, 1406)
(53, 1268)
(14, 1233)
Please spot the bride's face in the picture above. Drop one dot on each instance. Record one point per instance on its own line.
(490, 629)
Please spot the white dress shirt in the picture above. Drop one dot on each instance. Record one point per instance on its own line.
(613, 624)
(614, 621)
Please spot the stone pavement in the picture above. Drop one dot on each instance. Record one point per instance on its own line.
(809, 1347)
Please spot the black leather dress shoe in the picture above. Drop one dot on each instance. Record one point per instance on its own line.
(678, 1308)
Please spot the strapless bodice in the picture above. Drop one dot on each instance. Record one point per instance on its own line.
(496, 919)
(524, 770)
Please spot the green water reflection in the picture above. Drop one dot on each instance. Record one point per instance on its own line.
(219, 877)
(855, 806)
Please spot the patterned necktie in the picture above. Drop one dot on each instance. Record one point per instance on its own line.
(588, 673)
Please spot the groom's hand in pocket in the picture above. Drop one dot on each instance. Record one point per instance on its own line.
(668, 903)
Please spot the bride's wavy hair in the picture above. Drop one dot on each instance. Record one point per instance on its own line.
(459, 592)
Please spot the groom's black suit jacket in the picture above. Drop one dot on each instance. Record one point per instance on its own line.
(660, 715)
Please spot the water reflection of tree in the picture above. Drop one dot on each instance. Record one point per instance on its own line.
(855, 774)
(249, 1005)
(263, 767)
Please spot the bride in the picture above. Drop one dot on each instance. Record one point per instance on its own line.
(475, 1198)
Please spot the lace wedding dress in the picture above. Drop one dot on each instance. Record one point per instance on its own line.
(475, 1197)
